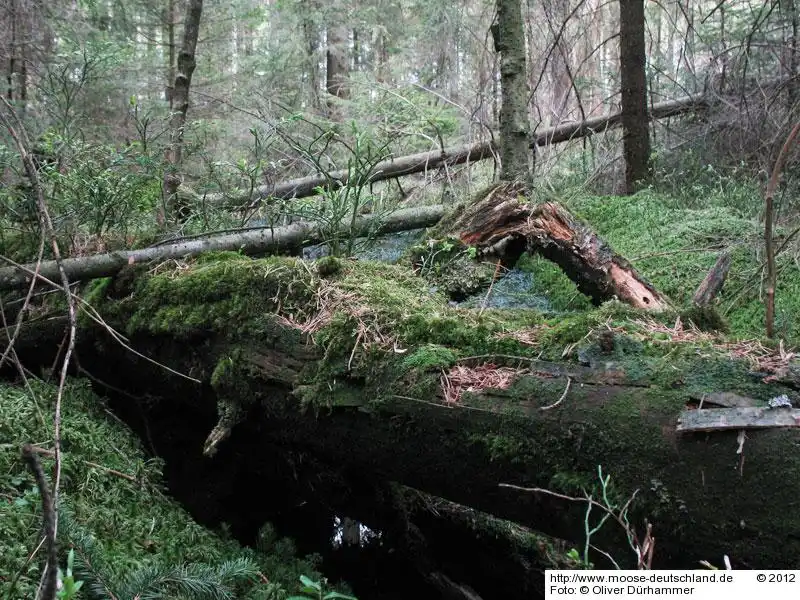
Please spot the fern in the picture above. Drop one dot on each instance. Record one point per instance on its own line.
(152, 582)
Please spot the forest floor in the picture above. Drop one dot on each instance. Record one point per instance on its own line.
(672, 242)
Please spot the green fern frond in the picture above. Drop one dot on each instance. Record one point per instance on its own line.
(192, 582)
(89, 565)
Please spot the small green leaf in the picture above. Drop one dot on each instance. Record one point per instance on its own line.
(307, 582)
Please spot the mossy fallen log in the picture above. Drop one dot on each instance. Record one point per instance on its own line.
(370, 369)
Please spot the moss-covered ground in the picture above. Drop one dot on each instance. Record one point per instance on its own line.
(114, 510)
(673, 242)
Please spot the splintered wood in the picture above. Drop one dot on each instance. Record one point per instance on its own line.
(503, 224)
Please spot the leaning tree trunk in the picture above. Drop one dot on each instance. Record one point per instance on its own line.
(636, 136)
(509, 41)
(173, 207)
(427, 161)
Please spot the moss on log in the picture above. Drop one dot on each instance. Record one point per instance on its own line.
(370, 369)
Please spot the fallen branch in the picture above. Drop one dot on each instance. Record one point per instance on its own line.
(48, 589)
(251, 242)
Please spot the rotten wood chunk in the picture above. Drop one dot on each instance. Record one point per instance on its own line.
(713, 282)
(719, 419)
(502, 223)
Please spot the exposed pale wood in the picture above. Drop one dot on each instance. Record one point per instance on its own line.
(725, 400)
(720, 419)
(504, 224)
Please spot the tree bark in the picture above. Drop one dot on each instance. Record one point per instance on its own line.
(711, 286)
(338, 70)
(169, 37)
(173, 207)
(509, 41)
(636, 137)
(311, 35)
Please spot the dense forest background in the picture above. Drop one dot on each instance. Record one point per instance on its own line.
(95, 84)
(134, 125)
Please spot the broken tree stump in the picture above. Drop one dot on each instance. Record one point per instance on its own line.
(711, 286)
(504, 225)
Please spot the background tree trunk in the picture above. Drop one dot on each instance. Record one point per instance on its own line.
(636, 136)
(337, 67)
(509, 41)
(169, 41)
(173, 208)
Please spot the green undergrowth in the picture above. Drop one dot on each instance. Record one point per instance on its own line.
(222, 292)
(114, 509)
(673, 246)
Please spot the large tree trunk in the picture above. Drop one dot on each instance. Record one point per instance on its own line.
(173, 208)
(636, 137)
(371, 374)
(515, 154)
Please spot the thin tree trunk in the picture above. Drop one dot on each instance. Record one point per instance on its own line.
(636, 136)
(169, 36)
(337, 66)
(789, 8)
(12, 52)
(311, 33)
(515, 154)
(186, 65)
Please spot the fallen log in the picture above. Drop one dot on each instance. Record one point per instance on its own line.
(427, 161)
(362, 369)
(252, 242)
